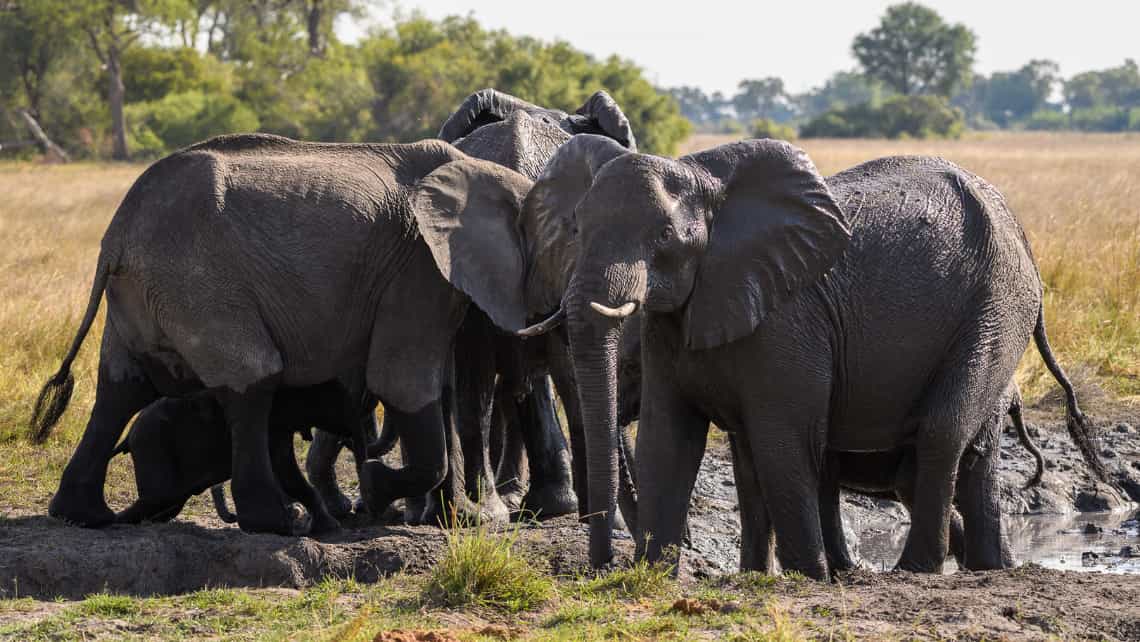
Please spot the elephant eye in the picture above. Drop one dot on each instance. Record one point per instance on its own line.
(666, 234)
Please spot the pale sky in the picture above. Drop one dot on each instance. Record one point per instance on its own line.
(715, 43)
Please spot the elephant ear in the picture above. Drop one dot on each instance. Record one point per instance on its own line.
(776, 230)
(467, 211)
(548, 218)
(483, 107)
(601, 115)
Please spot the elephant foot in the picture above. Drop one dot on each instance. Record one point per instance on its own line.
(290, 520)
(414, 508)
(338, 505)
(514, 500)
(465, 512)
(551, 501)
(324, 523)
(79, 508)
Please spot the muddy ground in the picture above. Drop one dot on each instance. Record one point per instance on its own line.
(44, 559)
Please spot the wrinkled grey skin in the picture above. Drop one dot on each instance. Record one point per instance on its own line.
(725, 251)
(245, 263)
(521, 136)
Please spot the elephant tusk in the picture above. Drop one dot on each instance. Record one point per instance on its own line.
(614, 313)
(543, 327)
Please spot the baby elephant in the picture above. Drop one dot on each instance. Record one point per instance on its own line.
(181, 446)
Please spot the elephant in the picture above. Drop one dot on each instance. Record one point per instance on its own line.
(506, 130)
(250, 262)
(889, 475)
(779, 305)
(181, 446)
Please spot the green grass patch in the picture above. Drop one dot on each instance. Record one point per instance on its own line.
(482, 568)
(640, 580)
(107, 605)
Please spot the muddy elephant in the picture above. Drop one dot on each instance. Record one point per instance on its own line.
(513, 133)
(885, 306)
(251, 262)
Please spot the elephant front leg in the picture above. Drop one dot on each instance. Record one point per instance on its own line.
(756, 541)
(262, 507)
(320, 463)
(284, 461)
(422, 443)
(671, 441)
(551, 491)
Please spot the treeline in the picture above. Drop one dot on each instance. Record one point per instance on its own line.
(915, 78)
(138, 78)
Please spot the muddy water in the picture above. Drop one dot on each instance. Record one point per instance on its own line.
(1107, 542)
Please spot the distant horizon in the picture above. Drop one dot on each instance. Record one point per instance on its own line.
(721, 45)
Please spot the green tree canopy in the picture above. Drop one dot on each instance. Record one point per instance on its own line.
(914, 51)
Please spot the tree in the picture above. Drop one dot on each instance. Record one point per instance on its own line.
(843, 89)
(33, 36)
(914, 51)
(112, 27)
(763, 98)
(1013, 95)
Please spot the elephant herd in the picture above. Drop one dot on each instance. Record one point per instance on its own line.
(858, 331)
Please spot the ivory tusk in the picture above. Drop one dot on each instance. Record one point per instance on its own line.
(614, 313)
(543, 327)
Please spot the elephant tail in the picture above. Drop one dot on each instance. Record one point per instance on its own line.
(1080, 430)
(218, 494)
(56, 393)
(1026, 441)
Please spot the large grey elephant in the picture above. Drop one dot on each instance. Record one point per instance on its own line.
(886, 306)
(246, 263)
(511, 132)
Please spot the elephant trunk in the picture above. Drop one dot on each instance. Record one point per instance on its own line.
(594, 339)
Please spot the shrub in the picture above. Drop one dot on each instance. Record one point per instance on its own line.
(481, 568)
(1047, 120)
(896, 117)
(179, 120)
(768, 128)
(1100, 119)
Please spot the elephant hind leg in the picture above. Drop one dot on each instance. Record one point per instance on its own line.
(986, 546)
(122, 390)
(955, 406)
(284, 461)
(260, 504)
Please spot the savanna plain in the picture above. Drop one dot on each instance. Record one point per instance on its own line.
(1078, 197)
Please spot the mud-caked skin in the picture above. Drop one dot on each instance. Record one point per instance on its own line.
(247, 263)
(885, 306)
(513, 133)
(181, 446)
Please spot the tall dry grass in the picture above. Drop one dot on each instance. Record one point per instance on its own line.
(1077, 195)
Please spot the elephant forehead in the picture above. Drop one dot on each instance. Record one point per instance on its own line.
(634, 182)
(521, 143)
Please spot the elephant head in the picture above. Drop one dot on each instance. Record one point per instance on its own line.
(509, 131)
(716, 239)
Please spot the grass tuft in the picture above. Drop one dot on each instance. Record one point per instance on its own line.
(481, 568)
(640, 580)
(107, 605)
